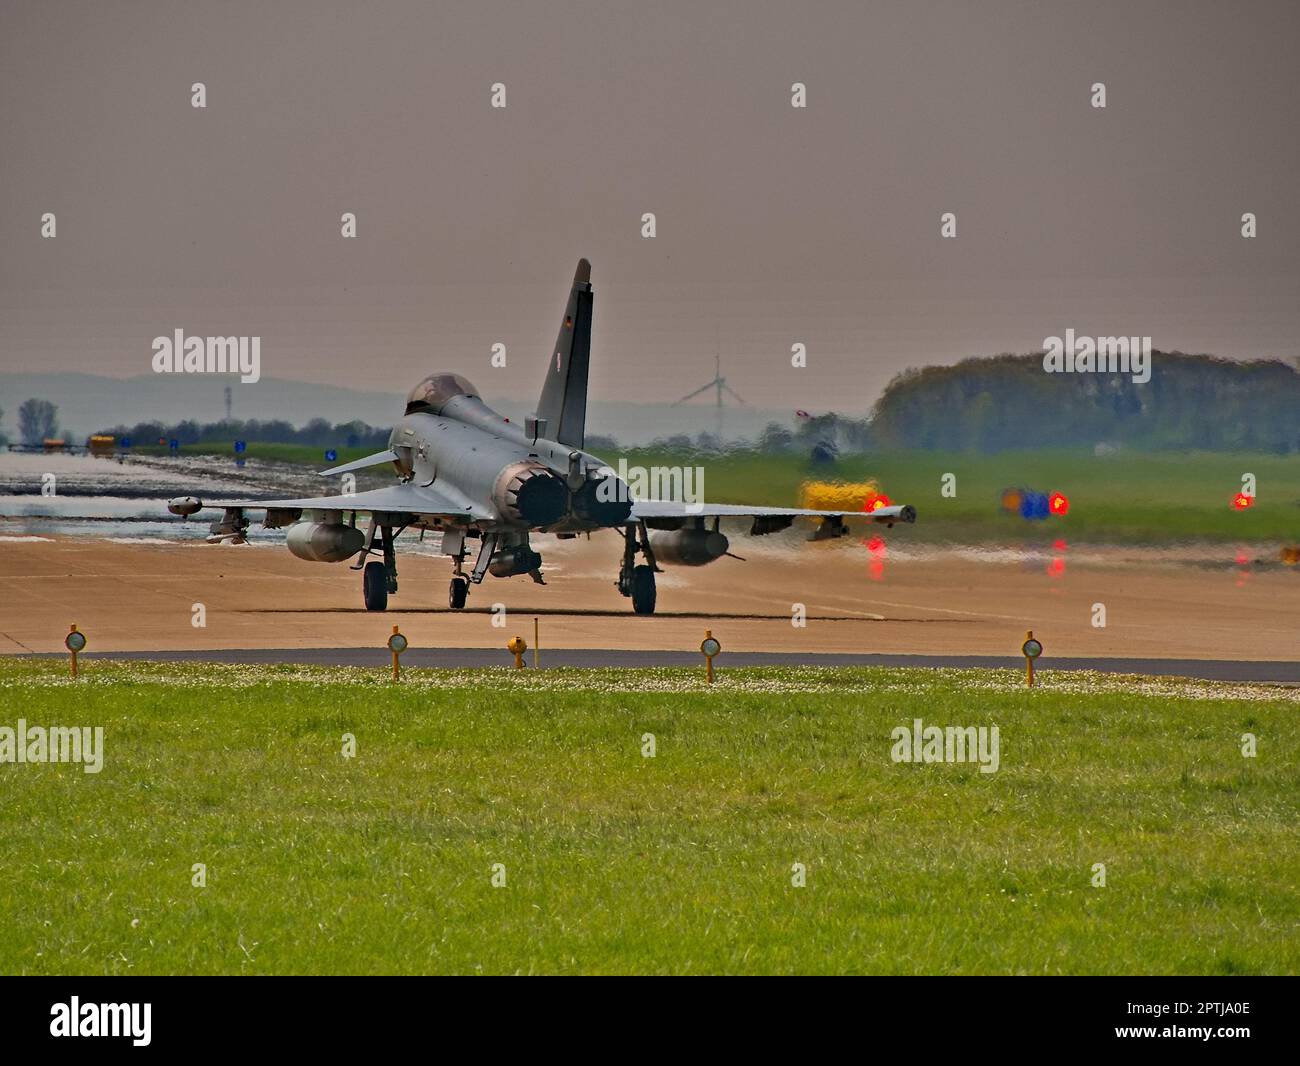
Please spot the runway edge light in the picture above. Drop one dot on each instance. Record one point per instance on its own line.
(397, 644)
(709, 647)
(75, 641)
(517, 647)
(1031, 650)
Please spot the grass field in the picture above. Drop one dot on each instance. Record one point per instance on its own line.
(1159, 497)
(614, 862)
(1152, 498)
(302, 454)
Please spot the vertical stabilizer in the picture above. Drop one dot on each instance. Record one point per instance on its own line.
(564, 392)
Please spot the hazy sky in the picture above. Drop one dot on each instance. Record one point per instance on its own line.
(775, 224)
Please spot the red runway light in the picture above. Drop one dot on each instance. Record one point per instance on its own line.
(1058, 503)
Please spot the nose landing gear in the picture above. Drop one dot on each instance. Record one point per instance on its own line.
(458, 593)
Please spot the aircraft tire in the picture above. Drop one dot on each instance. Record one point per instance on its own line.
(458, 593)
(643, 590)
(374, 586)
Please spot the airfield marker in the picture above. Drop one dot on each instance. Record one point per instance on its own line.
(517, 647)
(1031, 650)
(396, 644)
(74, 642)
(709, 647)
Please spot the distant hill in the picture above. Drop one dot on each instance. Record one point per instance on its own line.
(88, 402)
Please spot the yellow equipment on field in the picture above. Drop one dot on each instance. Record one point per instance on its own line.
(837, 496)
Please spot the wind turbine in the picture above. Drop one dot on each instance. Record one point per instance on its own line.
(719, 383)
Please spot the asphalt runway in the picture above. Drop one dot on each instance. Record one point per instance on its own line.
(456, 658)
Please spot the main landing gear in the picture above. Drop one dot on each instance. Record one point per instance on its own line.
(638, 581)
(374, 587)
(378, 580)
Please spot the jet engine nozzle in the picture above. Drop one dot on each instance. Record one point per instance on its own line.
(529, 493)
(604, 501)
(689, 547)
(324, 542)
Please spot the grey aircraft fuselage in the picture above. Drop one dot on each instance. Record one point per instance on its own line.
(466, 471)
(466, 449)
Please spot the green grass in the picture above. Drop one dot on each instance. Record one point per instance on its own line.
(302, 454)
(1157, 497)
(619, 863)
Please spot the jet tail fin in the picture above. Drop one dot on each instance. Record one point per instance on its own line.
(564, 393)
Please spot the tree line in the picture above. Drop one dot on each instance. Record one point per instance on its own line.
(1192, 402)
(981, 405)
(319, 432)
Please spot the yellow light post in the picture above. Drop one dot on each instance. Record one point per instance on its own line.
(396, 644)
(75, 641)
(709, 647)
(517, 647)
(1031, 650)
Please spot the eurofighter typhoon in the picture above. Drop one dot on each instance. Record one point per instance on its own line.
(487, 485)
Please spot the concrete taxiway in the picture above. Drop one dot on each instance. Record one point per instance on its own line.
(1216, 605)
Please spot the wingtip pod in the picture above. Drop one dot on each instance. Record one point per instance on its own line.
(895, 513)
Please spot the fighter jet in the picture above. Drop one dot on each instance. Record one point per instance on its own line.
(487, 484)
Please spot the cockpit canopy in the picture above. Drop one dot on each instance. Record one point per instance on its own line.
(433, 392)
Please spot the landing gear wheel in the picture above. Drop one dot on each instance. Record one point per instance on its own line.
(643, 590)
(374, 585)
(458, 594)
